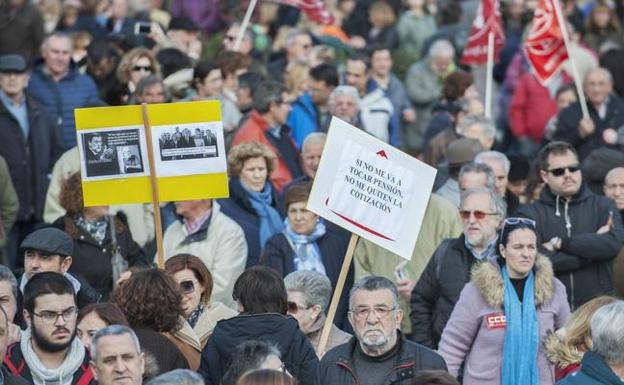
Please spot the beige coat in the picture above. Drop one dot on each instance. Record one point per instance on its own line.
(336, 336)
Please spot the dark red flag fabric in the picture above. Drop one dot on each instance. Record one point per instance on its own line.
(314, 9)
(488, 19)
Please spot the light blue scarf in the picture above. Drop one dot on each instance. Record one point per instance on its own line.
(270, 220)
(307, 253)
(521, 335)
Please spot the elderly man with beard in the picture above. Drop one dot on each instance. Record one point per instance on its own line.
(49, 353)
(448, 270)
(378, 353)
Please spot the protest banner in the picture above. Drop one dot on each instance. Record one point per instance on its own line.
(152, 153)
(371, 189)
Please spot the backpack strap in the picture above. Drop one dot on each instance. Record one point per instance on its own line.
(87, 375)
(16, 370)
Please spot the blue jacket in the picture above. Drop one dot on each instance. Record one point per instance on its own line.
(303, 119)
(594, 371)
(58, 99)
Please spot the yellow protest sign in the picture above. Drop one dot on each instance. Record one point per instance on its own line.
(187, 143)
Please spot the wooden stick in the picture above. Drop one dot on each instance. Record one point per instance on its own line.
(566, 40)
(337, 292)
(153, 182)
(489, 76)
(244, 24)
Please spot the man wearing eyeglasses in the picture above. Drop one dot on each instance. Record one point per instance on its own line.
(448, 270)
(49, 352)
(580, 231)
(378, 353)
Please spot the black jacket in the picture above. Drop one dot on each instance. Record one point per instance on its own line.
(93, 261)
(31, 159)
(438, 289)
(569, 118)
(337, 366)
(279, 255)
(297, 353)
(584, 262)
(85, 296)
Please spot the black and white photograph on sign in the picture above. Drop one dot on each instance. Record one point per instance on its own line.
(112, 152)
(179, 143)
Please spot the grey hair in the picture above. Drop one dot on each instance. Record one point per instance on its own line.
(58, 35)
(343, 90)
(601, 70)
(293, 34)
(497, 203)
(608, 334)
(372, 283)
(442, 47)
(178, 377)
(314, 138)
(147, 82)
(7, 275)
(487, 124)
(482, 157)
(315, 287)
(113, 330)
(479, 168)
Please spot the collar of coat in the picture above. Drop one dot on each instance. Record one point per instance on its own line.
(488, 279)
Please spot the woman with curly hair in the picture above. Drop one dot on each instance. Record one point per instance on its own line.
(103, 244)
(253, 201)
(134, 66)
(151, 301)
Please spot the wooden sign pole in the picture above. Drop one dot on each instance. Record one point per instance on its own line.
(244, 24)
(331, 314)
(153, 182)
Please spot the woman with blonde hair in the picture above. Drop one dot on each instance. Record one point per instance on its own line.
(296, 79)
(134, 66)
(566, 347)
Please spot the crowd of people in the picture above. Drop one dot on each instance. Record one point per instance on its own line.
(518, 270)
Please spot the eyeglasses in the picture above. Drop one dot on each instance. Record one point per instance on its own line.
(479, 215)
(294, 308)
(363, 313)
(49, 317)
(515, 221)
(559, 171)
(229, 38)
(187, 286)
(142, 68)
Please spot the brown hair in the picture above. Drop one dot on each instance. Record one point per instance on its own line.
(150, 298)
(231, 61)
(181, 262)
(108, 312)
(127, 61)
(433, 377)
(266, 377)
(578, 327)
(297, 192)
(456, 84)
(556, 148)
(241, 153)
(71, 195)
(613, 25)
(383, 9)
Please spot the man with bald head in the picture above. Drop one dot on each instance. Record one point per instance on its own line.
(606, 115)
(614, 187)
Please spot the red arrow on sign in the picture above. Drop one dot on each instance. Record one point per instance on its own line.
(382, 153)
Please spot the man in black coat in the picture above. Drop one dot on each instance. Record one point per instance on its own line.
(606, 116)
(580, 231)
(30, 145)
(378, 353)
(448, 270)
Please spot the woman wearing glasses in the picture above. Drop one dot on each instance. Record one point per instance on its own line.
(134, 66)
(196, 283)
(504, 314)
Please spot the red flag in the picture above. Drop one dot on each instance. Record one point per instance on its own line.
(545, 48)
(488, 19)
(314, 9)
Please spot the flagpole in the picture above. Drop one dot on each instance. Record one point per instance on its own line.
(244, 24)
(563, 25)
(489, 75)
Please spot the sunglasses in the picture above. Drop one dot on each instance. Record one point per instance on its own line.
(142, 68)
(187, 286)
(561, 170)
(479, 215)
(516, 221)
(294, 308)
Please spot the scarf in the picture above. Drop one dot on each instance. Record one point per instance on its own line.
(307, 253)
(521, 335)
(195, 314)
(96, 228)
(270, 220)
(63, 375)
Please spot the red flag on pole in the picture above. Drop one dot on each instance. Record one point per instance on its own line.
(314, 9)
(488, 19)
(545, 47)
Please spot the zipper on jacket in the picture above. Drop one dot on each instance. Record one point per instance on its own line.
(342, 364)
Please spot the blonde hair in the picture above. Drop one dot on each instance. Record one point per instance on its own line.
(241, 153)
(127, 61)
(578, 327)
(297, 74)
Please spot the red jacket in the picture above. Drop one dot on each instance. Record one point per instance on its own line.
(530, 109)
(254, 130)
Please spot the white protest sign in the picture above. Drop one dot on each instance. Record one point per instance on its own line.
(371, 189)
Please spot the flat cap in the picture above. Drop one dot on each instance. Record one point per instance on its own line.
(12, 63)
(462, 151)
(49, 240)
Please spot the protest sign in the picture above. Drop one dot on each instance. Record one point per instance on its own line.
(371, 189)
(186, 140)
